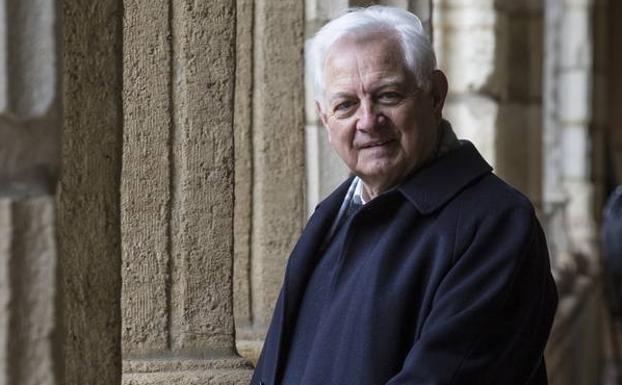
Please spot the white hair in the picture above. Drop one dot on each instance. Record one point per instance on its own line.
(417, 49)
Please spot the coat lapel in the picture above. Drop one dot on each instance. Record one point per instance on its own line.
(300, 265)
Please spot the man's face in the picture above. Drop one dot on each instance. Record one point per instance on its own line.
(380, 123)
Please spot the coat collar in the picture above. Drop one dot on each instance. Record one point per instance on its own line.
(429, 187)
(435, 184)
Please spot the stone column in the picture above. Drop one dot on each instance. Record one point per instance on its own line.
(466, 48)
(568, 190)
(270, 118)
(88, 201)
(568, 193)
(491, 52)
(177, 193)
(29, 165)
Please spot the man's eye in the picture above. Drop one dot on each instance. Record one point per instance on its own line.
(389, 97)
(344, 106)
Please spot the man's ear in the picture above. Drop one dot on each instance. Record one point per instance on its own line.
(321, 114)
(323, 119)
(438, 91)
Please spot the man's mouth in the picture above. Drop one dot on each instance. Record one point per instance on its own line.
(376, 143)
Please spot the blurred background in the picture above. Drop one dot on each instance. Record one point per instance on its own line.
(158, 160)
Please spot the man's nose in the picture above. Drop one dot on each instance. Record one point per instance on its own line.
(369, 117)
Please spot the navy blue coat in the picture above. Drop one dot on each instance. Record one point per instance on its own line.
(455, 286)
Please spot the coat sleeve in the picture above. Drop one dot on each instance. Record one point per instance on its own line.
(493, 310)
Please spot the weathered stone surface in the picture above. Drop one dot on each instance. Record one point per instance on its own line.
(474, 118)
(243, 139)
(581, 226)
(4, 81)
(518, 147)
(6, 230)
(29, 162)
(574, 97)
(278, 147)
(466, 44)
(29, 255)
(523, 51)
(146, 177)
(202, 183)
(30, 73)
(576, 29)
(574, 142)
(318, 12)
(88, 200)
(184, 364)
(325, 169)
(202, 377)
(178, 189)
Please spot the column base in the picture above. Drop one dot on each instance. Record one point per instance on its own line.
(250, 349)
(229, 371)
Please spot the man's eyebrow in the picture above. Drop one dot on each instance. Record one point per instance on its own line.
(338, 95)
(397, 83)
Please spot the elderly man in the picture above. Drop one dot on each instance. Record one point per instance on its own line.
(422, 268)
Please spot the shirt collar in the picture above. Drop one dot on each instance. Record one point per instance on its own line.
(357, 196)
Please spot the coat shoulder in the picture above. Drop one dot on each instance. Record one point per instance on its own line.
(491, 196)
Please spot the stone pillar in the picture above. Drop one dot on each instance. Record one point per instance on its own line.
(270, 118)
(88, 201)
(177, 193)
(553, 192)
(492, 53)
(29, 164)
(466, 47)
(568, 191)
